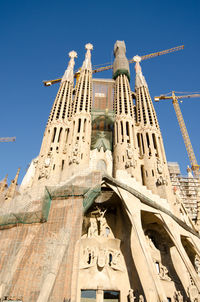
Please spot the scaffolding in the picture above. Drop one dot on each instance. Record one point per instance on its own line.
(187, 188)
(38, 238)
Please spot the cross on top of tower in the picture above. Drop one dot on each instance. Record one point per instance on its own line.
(87, 61)
(73, 54)
(69, 74)
(89, 46)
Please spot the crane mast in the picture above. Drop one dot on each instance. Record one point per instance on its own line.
(185, 135)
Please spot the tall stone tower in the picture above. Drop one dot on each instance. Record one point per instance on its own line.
(125, 137)
(153, 164)
(52, 158)
(95, 218)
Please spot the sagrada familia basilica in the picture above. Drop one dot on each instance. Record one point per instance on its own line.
(96, 217)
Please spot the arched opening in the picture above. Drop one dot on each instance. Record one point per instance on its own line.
(165, 257)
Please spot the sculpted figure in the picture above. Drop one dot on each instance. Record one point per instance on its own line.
(131, 296)
(93, 229)
(164, 273)
(197, 264)
(141, 298)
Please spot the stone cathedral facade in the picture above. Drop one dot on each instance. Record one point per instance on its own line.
(95, 218)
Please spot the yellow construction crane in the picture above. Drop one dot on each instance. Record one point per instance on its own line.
(7, 139)
(186, 138)
(149, 56)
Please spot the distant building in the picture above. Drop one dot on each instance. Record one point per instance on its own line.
(96, 217)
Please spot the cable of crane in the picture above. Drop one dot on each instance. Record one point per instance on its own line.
(101, 65)
(187, 92)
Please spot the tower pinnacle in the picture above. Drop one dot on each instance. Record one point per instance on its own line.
(69, 72)
(87, 62)
(139, 79)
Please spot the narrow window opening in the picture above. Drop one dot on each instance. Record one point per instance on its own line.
(63, 162)
(148, 142)
(107, 231)
(54, 167)
(54, 134)
(152, 172)
(127, 129)
(67, 135)
(84, 125)
(146, 174)
(110, 258)
(154, 143)
(142, 175)
(79, 125)
(89, 258)
(142, 143)
(117, 132)
(122, 132)
(59, 136)
(157, 267)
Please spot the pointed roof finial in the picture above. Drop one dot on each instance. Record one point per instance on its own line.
(87, 62)
(69, 72)
(139, 80)
(12, 189)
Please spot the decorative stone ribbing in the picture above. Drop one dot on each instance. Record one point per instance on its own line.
(52, 158)
(80, 130)
(124, 132)
(151, 155)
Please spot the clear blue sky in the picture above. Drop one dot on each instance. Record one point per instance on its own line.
(37, 35)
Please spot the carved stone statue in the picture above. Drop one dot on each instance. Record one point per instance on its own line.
(178, 297)
(141, 298)
(164, 272)
(93, 228)
(159, 166)
(131, 296)
(197, 264)
(193, 292)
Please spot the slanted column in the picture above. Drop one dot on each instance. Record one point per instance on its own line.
(151, 154)
(124, 138)
(52, 159)
(80, 137)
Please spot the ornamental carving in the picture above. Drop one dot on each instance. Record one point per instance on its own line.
(163, 274)
(197, 264)
(75, 155)
(178, 297)
(130, 162)
(98, 225)
(161, 181)
(193, 291)
(93, 256)
(159, 166)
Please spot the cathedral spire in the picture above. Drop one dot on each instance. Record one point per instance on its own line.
(13, 186)
(3, 184)
(87, 62)
(124, 139)
(152, 159)
(52, 158)
(69, 72)
(80, 132)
